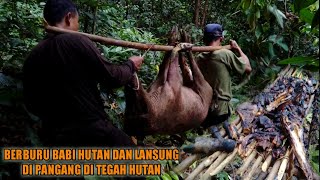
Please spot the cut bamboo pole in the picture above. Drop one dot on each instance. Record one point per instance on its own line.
(246, 163)
(298, 147)
(254, 168)
(274, 170)
(262, 176)
(186, 163)
(289, 73)
(266, 163)
(214, 165)
(251, 147)
(224, 163)
(128, 44)
(291, 165)
(295, 72)
(283, 165)
(203, 165)
(257, 172)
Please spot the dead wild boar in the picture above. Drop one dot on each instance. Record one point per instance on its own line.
(175, 101)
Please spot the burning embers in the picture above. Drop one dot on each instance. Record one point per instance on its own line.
(274, 121)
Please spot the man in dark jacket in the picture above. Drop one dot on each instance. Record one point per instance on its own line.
(61, 77)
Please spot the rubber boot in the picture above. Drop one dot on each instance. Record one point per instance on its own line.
(230, 128)
(215, 132)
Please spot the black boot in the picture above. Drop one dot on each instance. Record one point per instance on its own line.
(230, 130)
(215, 132)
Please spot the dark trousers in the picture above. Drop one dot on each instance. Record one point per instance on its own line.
(212, 120)
(97, 134)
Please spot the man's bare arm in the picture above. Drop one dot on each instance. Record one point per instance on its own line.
(234, 45)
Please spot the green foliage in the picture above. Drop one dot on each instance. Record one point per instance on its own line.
(315, 20)
(223, 176)
(314, 158)
(254, 8)
(118, 54)
(300, 61)
(22, 33)
(299, 5)
(277, 14)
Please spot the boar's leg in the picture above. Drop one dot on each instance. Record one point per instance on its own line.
(174, 77)
(186, 71)
(200, 85)
(164, 66)
(163, 71)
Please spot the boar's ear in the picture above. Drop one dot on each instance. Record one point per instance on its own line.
(174, 36)
(185, 37)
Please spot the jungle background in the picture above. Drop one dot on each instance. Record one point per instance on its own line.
(272, 33)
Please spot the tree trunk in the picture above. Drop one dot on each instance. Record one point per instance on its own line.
(95, 9)
(127, 9)
(204, 15)
(86, 21)
(196, 12)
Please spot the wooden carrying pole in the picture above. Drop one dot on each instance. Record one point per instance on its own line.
(134, 45)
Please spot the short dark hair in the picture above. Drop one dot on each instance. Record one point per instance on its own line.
(55, 10)
(209, 38)
(212, 32)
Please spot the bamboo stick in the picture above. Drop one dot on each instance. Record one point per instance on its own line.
(203, 165)
(214, 165)
(257, 172)
(289, 73)
(298, 148)
(262, 176)
(224, 163)
(295, 72)
(283, 165)
(274, 170)
(128, 44)
(291, 165)
(254, 168)
(246, 163)
(251, 148)
(186, 163)
(266, 163)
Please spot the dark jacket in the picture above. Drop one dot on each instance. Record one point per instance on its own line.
(61, 77)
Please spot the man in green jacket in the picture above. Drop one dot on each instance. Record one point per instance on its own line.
(217, 68)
